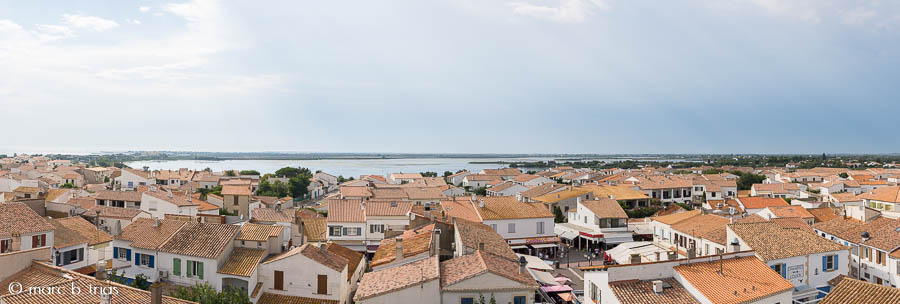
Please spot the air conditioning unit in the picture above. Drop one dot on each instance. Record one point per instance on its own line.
(865, 266)
(163, 274)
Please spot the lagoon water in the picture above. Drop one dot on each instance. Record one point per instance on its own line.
(345, 167)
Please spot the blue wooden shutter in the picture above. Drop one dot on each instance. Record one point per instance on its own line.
(824, 262)
(784, 271)
(115, 252)
(128, 254)
(137, 258)
(772, 266)
(836, 262)
(151, 261)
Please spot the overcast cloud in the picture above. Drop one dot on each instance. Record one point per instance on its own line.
(466, 76)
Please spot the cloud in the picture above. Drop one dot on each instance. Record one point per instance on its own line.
(134, 21)
(880, 14)
(568, 11)
(144, 9)
(88, 22)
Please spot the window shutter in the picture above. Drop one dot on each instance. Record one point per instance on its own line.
(151, 261)
(176, 268)
(836, 262)
(137, 258)
(128, 254)
(80, 254)
(200, 270)
(824, 262)
(116, 252)
(784, 271)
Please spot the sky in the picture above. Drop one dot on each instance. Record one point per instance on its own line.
(451, 76)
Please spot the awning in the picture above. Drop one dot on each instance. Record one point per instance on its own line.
(519, 247)
(567, 296)
(556, 288)
(569, 235)
(545, 278)
(562, 280)
(534, 262)
(544, 245)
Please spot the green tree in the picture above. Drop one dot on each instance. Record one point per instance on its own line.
(298, 186)
(480, 191)
(249, 172)
(140, 282)
(67, 186)
(230, 173)
(481, 299)
(290, 172)
(205, 294)
(447, 173)
(223, 211)
(558, 216)
(429, 174)
(844, 175)
(493, 300)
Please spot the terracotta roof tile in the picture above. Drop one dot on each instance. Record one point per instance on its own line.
(460, 207)
(635, 291)
(853, 291)
(84, 230)
(884, 194)
(259, 233)
(708, 226)
(18, 218)
(315, 228)
(272, 215)
(144, 235)
(353, 258)
(507, 207)
(468, 266)
(392, 279)
(242, 262)
(790, 211)
(742, 280)
(271, 298)
(761, 202)
(675, 218)
(772, 242)
(201, 240)
(472, 234)
(605, 208)
(386, 208)
(315, 253)
(414, 242)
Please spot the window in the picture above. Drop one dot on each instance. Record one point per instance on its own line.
(467, 300)
(540, 227)
(146, 260)
(376, 228)
(829, 262)
(130, 184)
(5, 245)
(235, 200)
(350, 231)
(279, 280)
(880, 258)
(595, 293)
(519, 300)
(779, 268)
(511, 228)
(334, 231)
(39, 240)
(195, 269)
(322, 284)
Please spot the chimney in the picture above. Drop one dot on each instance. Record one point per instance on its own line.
(522, 263)
(324, 247)
(473, 198)
(578, 200)
(658, 286)
(481, 203)
(156, 293)
(101, 271)
(106, 298)
(612, 196)
(302, 232)
(155, 222)
(399, 249)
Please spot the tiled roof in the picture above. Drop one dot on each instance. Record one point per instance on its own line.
(853, 291)
(272, 215)
(845, 228)
(124, 294)
(355, 191)
(392, 279)
(85, 231)
(386, 208)
(345, 211)
(115, 212)
(315, 228)
(772, 242)
(846, 197)
(883, 233)
(507, 207)
(315, 253)
(782, 188)
(619, 192)
(389, 193)
(635, 291)
(472, 234)
(502, 171)
(259, 233)
(714, 205)
(790, 211)
(884, 194)
(675, 218)
(755, 202)
(353, 258)
(708, 226)
(179, 199)
(17, 218)
(143, 235)
(201, 240)
(236, 190)
(481, 177)
(605, 208)
(742, 280)
(271, 298)
(561, 195)
(468, 266)
(414, 242)
(128, 196)
(415, 193)
(24, 189)
(242, 262)
(541, 190)
(525, 177)
(460, 207)
(53, 194)
(824, 214)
